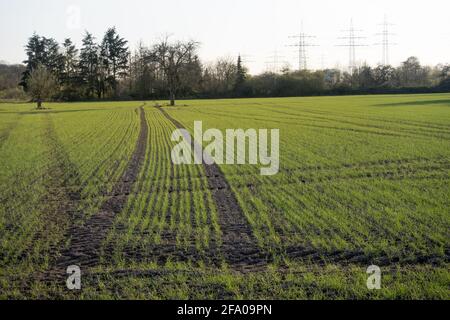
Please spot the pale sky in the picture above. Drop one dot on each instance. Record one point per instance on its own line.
(254, 28)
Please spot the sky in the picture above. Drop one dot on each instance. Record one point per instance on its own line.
(256, 29)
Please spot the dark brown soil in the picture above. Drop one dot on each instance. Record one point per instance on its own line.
(358, 257)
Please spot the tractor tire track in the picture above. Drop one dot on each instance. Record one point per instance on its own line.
(5, 133)
(86, 239)
(237, 245)
(60, 201)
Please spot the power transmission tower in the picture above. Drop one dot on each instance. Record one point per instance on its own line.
(302, 44)
(385, 42)
(352, 39)
(273, 64)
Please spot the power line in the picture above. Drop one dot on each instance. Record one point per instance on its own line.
(273, 64)
(385, 42)
(246, 58)
(302, 44)
(352, 38)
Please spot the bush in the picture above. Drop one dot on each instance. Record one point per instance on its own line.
(16, 94)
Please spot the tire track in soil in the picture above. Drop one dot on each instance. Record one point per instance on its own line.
(60, 200)
(255, 260)
(5, 133)
(86, 239)
(169, 249)
(238, 245)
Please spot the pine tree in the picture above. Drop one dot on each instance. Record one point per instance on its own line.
(114, 57)
(53, 59)
(241, 75)
(42, 51)
(89, 65)
(70, 73)
(70, 59)
(34, 51)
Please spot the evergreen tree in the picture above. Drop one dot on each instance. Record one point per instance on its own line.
(70, 74)
(53, 59)
(241, 75)
(89, 65)
(34, 51)
(70, 59)
(42, 51)
(114, 58)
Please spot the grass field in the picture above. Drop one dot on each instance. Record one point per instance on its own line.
(363, 180)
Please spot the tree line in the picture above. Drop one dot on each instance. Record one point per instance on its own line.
(93, 71)
(108, 69)
(10, 76)
(409, 77)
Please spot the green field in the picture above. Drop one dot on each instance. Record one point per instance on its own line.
(363, 180)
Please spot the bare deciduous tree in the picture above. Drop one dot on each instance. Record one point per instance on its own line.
(172, 58)
(42, 84)
(219, 77)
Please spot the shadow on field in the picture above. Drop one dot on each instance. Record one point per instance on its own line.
(48, 111)
(414, 103)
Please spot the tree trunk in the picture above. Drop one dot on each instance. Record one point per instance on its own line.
(39, 103)
(172, 99)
